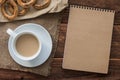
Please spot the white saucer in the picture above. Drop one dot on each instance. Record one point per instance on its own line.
(46, 45)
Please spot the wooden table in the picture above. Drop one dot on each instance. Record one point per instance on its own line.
(57, 73)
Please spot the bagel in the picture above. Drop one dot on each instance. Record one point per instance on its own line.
(13, 15)
(21, 11)
(26, 4)
(13, 8)
(2, 1)
(45, 4)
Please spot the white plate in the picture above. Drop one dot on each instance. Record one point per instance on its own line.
(46, 45)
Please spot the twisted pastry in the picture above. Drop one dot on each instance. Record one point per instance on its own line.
(21, 11)
(12, 8)
(26, 4)
(2, 1)
(15, 10)
(42, 6)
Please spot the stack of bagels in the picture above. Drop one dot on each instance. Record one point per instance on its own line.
(13, 8)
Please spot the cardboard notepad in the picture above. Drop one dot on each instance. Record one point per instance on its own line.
(88, 39)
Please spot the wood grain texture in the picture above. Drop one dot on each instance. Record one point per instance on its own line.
(57, 73)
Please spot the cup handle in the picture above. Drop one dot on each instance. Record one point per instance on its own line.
(11, 32)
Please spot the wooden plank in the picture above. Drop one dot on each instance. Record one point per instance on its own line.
(65, 15)
(61, 41)
(115, 46)
(57, 73)
(18, 75)
(60, 74)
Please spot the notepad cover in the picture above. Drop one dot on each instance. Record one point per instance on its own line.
(88, 39)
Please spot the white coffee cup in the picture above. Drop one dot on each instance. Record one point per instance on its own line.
(15, 36)
(39, 35)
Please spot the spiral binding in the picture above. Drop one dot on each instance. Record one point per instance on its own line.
(91, 8)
